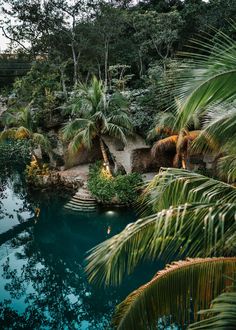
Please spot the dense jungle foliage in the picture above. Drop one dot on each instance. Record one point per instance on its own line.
(133, 46)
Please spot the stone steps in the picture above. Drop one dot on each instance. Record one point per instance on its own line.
(80, 208)
(82, 201)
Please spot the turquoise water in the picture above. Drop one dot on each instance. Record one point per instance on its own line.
(43, 284)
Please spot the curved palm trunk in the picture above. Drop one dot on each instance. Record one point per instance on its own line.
(104, 155)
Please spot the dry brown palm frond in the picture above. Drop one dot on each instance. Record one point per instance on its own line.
(185, 138)
(165, 130)
(163, 145)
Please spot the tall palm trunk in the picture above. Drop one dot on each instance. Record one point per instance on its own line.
(104, 155)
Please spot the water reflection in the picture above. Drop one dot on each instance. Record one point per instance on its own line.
(42, 280)
(43, 285)
(42, 290)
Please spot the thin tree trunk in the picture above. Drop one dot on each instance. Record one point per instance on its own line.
(104, 155)
(183, 161)
(63, 83)
(75, 63)
(106, 62)
(141, 64)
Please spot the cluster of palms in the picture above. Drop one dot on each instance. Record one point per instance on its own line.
(193, 216)
(20, 125)
(94, 115)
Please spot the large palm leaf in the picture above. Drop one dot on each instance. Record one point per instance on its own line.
(209, 79)
(193, 230)
(177, 291)
(194, 215)
(221, 315)
(173, 187)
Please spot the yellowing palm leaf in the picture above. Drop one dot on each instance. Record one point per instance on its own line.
(177, 291)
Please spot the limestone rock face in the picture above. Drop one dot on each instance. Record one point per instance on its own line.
(56, 156)
(3, 106)
(38, 153)
(143, 162)
(55, 181)
(122, 154)
(83, 156)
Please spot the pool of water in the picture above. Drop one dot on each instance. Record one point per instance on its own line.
(42, 279)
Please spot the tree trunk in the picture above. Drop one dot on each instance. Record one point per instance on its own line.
(106, 62)
(75, 62)
(63, 83)
(105, 157)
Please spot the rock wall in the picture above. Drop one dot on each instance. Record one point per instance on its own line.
(143, 162)
(83, 156)
(122, 154)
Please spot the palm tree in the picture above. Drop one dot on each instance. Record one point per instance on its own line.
(180, 143)
(23, 128)
(96, 115)
(192, 215)
(179, 139)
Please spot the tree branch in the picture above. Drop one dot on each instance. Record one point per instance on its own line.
(14, 40)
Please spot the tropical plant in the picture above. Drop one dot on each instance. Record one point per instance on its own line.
(95, 115)
(24, 128)
(180, 143)
(220, 131)
(192, 215)
(209, 79)
(195, 277)
(221, 315)
(119, 189)
(179, 139)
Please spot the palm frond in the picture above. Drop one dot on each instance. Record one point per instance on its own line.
(209, 79)
(227, 167)
(218, 130)
(164, 124)
(72, 127)
(185, 137)
(221, 315)
(89, 133)
(196, 230)
(199, 280)
(116, 131)
(172, 187)
(76, 143)
(42, 140)
(121, 119)
(196, 218)
(163, 145)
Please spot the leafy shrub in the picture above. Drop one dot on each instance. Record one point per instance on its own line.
(33, 172)
(15, 151)
(120, 189)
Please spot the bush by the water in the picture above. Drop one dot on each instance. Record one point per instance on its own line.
(16, 151)
(120, 189)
